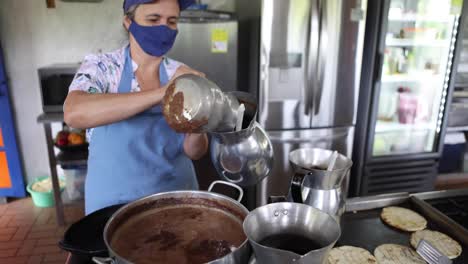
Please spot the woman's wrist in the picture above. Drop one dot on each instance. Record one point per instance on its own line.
(158, 95)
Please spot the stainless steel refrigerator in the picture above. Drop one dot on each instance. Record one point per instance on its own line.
(411, 52)
(208, 42)
(310, 67)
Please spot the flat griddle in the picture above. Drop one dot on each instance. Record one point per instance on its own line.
(362, 226)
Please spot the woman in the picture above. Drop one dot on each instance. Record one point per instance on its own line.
(117, 96)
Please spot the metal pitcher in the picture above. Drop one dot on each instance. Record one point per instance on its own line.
(194, 104)
(314, 185)
(294, 219)
(243, 157)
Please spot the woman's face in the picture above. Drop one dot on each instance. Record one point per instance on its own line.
(161, 12)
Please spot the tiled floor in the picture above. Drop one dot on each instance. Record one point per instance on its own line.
(30, 235)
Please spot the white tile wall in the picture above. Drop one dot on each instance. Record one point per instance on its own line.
(33, 36)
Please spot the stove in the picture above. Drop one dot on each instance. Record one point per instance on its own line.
(451, 203)
(455, 208)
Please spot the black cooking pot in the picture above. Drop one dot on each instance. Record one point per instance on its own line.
(84, 239)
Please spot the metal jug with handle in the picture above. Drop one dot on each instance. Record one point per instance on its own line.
(291, 219)
(243, 157)
(313, 184)
(241, 151)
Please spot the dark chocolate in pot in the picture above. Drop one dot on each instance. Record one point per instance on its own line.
(179, 233)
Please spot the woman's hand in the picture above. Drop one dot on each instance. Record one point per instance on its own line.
(195, 145)
(187, 70)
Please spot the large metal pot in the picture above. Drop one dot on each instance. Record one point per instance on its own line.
(208, 201)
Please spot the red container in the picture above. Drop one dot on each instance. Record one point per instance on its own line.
(407, 108)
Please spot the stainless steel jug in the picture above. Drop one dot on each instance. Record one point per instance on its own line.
(240, 149)
(293, 219)
(243, 157)
(313, 185)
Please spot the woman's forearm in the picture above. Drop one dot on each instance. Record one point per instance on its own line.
(83, 110)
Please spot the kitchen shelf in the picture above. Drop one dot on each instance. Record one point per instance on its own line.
(415, 17)
(462, 67)
(384, 127)
(393, 42)
(457, 129)
(62, 158)
(463, 94)
(410, 78)
(72, 158)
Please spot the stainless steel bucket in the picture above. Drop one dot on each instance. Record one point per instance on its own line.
(295, 219)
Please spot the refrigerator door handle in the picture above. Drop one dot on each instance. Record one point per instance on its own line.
(312, 50)
(322, 48)
(263, 87)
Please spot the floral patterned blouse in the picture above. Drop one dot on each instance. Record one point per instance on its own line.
(101, 73)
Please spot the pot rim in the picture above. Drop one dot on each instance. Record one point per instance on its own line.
(347, 166)
(113, 254)
(301, 207)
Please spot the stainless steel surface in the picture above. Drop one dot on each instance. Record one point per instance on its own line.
(310, 68)
(321, 50)
(339, 64)
(310, 60)
(290, 218)
(240, 255)
(59, 212)
(193, 47)
(245, 157)
(441, 194)
(283, 45)
(203, 101)
(316, 186)
(373, 202)
(431, 254)
(310, 80)
(277, 184)
(241, 192)
(446, 224)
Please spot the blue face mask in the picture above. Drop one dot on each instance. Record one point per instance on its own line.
(154, 40)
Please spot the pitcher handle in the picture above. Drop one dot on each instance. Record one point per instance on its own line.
(241, 192)
(296, 187)
(103, 260)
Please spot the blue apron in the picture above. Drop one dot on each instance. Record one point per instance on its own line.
(136, 157)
